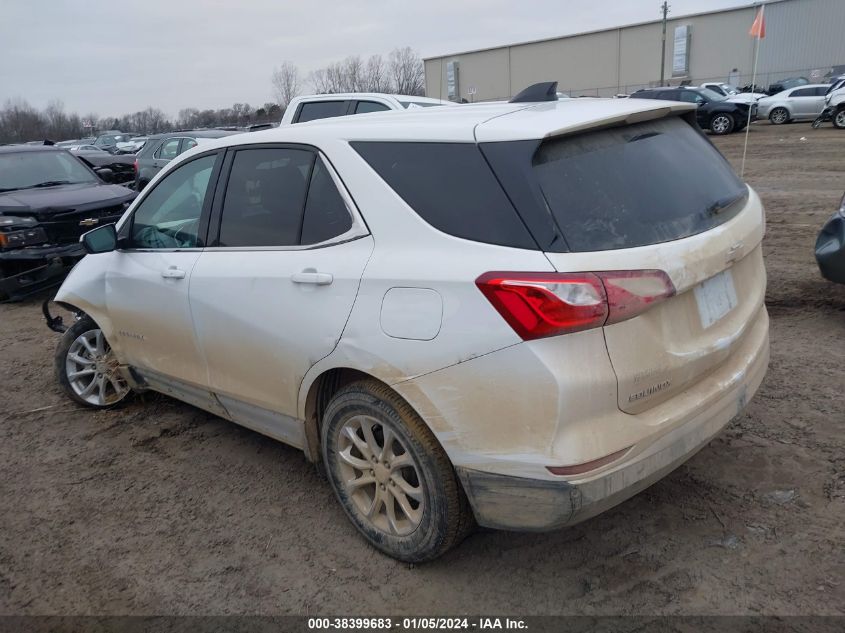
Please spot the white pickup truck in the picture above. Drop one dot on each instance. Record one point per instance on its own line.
(313, 107)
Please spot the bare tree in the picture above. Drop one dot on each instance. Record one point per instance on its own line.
(286, 84)
(406, 71)
(319, 81)
(375, 75)
(57, 121)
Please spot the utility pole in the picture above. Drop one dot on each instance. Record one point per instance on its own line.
(665, 9)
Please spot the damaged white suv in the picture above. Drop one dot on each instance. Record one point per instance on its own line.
(513, 314)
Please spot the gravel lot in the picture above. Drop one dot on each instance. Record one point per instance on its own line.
(157, 507)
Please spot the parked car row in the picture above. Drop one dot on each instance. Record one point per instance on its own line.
(723, 108)
(714, 111)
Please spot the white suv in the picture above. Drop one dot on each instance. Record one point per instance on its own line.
(315, 107)
(511, 314)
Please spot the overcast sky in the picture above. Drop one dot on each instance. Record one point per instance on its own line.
(114, 57)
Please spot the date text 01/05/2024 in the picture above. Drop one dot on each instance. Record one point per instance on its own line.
(416, 623)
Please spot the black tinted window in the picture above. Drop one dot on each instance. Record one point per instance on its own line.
(689, 96)
(362, 107)
(326, 215)
(636, 185)
(265, 197)
(451, 187)
(804, 92)
(321, 110)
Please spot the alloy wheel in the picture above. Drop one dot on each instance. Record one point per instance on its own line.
(779, 115)
(839, 119)
(720, 124)
(380, 475)
(92, 370)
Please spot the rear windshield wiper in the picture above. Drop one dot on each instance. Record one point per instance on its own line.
(723, 203)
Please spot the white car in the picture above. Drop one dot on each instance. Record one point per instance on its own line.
(732, 93)
(794, 104)
(515, 314)
(312, 107)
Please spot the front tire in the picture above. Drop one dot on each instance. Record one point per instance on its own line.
(86, 367)
(391, 476)
(722, 124)
(779, 116)
(839, 119)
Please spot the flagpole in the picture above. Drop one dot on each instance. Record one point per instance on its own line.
(753, 88)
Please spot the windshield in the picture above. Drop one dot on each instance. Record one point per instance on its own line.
(636, 185)
(711, 95)
(730, 89)
(25, 170)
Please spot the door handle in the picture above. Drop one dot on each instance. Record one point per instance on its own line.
(173, 273)
(311, 276)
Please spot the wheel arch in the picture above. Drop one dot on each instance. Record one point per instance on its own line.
(318, 394)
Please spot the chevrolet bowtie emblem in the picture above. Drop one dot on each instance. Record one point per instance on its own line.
(89, 222)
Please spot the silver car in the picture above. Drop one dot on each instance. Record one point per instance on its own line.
(803, 103)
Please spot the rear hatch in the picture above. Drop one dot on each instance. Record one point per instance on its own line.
(656, 196)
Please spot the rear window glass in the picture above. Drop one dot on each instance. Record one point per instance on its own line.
(636, 185)
(321, 110)
(451, 187)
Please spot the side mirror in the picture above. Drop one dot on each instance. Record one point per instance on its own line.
(106, 174)
(103, 239)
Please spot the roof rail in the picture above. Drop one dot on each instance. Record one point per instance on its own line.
(543, 91)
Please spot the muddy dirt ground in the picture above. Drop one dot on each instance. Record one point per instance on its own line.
(157, 507)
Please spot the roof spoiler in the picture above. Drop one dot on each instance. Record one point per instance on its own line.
(543, 91)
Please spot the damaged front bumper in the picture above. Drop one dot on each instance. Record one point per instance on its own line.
(25, 271)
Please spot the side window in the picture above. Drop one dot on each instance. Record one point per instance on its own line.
(802, 92)
(822, 91)
(362, 107)
(668, 95)
(187, 143)
(321, 110)
(451, 187)
(169, 150)
(169, 216)
(689, 96)
(265, 197)
(326, 215)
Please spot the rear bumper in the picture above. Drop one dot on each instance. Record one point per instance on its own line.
(520, 503)
(35, 268)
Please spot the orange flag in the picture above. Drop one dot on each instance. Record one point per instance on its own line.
(758, 29)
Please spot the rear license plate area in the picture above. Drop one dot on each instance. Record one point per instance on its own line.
(715, 297)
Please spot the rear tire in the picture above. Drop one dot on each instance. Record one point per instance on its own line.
(722, 123)
(86, 367)
(391, 476)
(839, 119)
(779, 116)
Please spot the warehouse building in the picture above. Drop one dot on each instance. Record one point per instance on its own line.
(803, 38)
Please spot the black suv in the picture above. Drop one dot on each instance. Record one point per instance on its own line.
(160, 149)
(48, 199)
(715, 112)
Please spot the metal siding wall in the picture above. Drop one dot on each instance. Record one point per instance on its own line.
(719, 43)
(577, 63)
(800, 35)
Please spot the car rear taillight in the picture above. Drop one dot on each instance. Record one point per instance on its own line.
(537, 305)
(135, 165)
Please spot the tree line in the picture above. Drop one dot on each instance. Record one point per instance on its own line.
(401, 72)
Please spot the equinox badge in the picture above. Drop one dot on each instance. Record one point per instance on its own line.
(89, 222)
